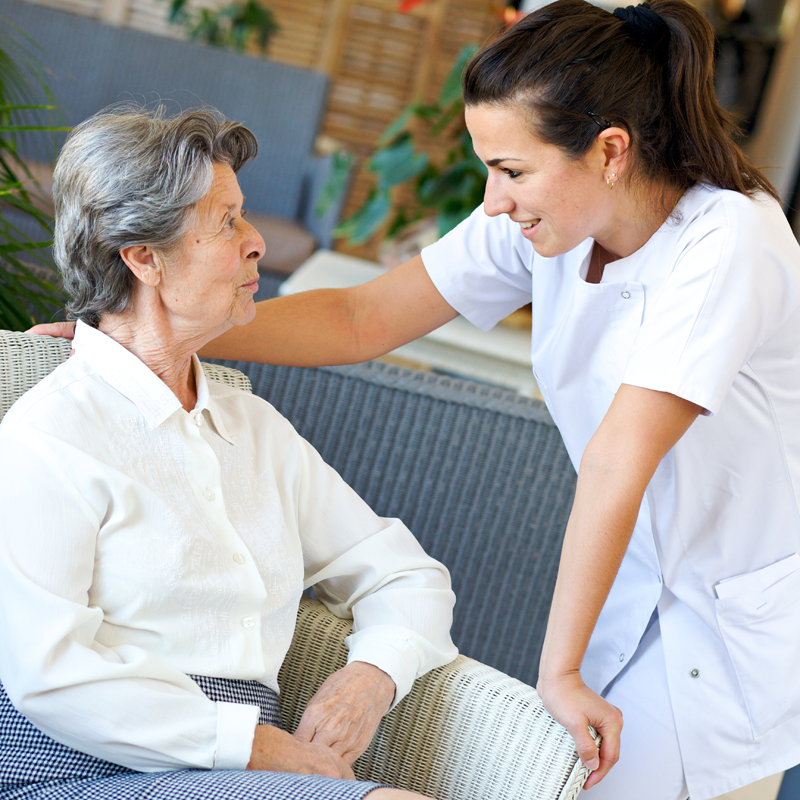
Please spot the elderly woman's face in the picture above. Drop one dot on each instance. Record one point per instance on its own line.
(215, 274)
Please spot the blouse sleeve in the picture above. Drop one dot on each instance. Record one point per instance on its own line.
(373, 570)
(735, 282)
(122, 704)
(482, 268)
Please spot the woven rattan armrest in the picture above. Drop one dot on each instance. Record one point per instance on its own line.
(25, 359)
(465, 730)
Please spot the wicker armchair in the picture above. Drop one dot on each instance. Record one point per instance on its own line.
(465, 732)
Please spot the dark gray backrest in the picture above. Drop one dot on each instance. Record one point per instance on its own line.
(94, 65)
(480, 475)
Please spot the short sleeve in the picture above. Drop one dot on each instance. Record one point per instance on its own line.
(734, 283)
(482, 268)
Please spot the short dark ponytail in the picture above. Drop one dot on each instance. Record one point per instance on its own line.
(576, 67)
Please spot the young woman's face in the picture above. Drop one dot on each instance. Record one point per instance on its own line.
(557, 202)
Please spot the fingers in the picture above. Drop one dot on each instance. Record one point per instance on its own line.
(609, 755)
(577, 707)
(345, 711)
(65, 330)
(346, 738)
(306, 729)
(587, 749)
(348, 772)
(278, 751)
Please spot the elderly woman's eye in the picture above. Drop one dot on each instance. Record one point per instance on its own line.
(231, 221)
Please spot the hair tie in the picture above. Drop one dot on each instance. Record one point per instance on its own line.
(645, 26)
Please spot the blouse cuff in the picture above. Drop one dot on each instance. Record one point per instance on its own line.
(398, 659)
(236, 729)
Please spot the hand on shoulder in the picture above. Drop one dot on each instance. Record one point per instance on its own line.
(64, 330)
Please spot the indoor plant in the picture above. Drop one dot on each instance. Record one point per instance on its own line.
(447, 190)
(27, 290)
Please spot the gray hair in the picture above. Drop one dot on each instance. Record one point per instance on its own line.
(132, 176)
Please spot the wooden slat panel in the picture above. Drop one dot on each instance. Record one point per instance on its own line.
(378, 59)
(89, 8)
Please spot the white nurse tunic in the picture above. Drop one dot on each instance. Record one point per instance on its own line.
(709, 310)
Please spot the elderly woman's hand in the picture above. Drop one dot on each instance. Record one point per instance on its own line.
(275, 750)
(345, 712)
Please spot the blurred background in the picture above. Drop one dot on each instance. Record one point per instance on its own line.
(382, 55)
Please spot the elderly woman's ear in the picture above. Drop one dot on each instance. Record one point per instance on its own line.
(144, 263)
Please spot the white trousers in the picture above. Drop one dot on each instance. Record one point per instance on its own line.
(649, 766)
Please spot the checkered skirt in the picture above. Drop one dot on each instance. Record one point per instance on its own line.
(35, 767)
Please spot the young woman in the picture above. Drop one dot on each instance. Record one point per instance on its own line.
(665, 286)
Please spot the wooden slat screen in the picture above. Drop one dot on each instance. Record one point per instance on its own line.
(378, 60)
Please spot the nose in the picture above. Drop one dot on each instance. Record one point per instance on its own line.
(253, 243)
(496, 200)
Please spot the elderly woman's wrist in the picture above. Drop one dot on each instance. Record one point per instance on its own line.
(385, 687)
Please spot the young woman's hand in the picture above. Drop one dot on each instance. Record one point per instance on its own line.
(345, 712)
(576, 707)
(65, 330)
(276, 750)
(639, 429)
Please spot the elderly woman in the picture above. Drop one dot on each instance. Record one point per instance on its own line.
(158, 529)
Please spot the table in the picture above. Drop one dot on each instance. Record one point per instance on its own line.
(500, 357)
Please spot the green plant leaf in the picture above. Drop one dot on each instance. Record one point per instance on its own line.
(24, 292)
(364, 223)
(398, 126)
(336, 182)
(449, 189)
(446, 221)
(233, 26)
(18, 128)
(451, 90)
(26, 108)
(397, 164)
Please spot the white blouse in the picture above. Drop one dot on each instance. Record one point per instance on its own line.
(708, 310)
(140, 543)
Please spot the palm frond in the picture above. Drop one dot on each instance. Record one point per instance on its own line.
(27, 295)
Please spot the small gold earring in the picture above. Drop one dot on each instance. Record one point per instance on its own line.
(610, 180)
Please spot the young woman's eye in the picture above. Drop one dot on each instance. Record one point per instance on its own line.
(512, 173)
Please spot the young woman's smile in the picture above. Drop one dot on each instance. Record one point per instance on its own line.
(557, 202)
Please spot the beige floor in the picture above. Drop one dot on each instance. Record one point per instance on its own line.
(761, 790)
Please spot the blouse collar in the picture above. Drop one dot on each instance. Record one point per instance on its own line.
(131, 377)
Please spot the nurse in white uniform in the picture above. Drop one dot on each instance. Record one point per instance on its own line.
(665, 285)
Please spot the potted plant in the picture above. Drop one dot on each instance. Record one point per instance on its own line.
(28, 291)
(445, 191)
(236, 25)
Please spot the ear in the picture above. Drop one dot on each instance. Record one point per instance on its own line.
(615, 144)
(143, 262)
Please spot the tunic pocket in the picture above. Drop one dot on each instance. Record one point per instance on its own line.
(759, 618)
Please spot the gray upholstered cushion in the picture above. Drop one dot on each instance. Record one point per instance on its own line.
(480, 475)
(92, 65)
(287, 244)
